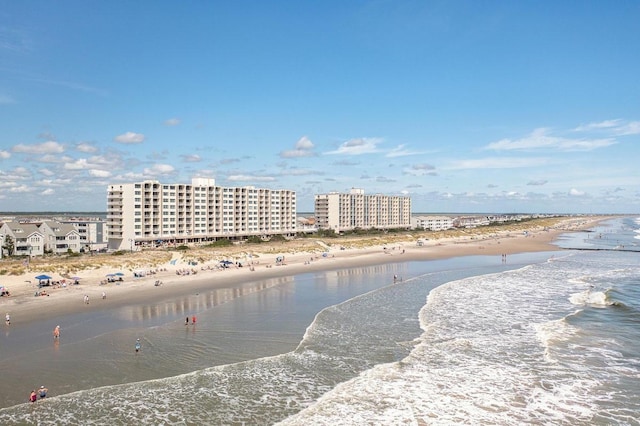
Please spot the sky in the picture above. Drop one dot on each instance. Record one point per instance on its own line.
(465, 106)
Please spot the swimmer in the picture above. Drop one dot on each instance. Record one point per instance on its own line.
(43, 392)
(56, 332)
(138, 345)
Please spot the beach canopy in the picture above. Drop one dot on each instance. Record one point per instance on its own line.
(120, 274)
(43, 277)
(226, 262)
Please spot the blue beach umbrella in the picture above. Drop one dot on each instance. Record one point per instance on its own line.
(43, 277)
(120, 274)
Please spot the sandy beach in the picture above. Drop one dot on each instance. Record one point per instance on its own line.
(68, 297)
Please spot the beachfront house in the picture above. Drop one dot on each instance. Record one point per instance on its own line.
(60, 238)
(28, 240)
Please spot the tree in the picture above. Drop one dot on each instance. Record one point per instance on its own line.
(9, 245)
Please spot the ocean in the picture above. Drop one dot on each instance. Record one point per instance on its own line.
(543, 338)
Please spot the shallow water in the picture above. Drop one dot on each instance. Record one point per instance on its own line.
(269, 318)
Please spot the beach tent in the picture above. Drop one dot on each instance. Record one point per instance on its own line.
(43, 277)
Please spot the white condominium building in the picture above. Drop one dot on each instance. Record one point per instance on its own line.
(432, 223)
(347, 211)
(150, 213)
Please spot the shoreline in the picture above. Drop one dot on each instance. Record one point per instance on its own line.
(24, 307)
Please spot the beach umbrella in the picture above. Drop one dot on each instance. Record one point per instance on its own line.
(43, 277)
(76, 278)
(111, 275)
(120, 274)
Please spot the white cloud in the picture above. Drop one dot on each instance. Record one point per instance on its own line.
(497, 163)
(631, 128)
(537, 182)
(86, 147)
(421, 170)
(50, 147)
(130, 138)
(400, 151)
(303, 148)
(540, 138)
(4, 155)
(22, 172)
(79, 164)
(606, 124)
(301, 172)
(193, 158)
(358, 146)
(99, 173)
(159, 169)
(249, 178)
(48, 191)
(22, 189)
(172, 122)
(575, 193)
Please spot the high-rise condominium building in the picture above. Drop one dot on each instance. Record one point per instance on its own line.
(346, 211)
(151, 213)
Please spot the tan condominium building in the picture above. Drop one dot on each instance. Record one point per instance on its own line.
(151, 213)
(347, 211)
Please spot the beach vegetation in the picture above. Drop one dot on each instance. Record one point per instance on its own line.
(220, 243)
(118, 253)
(182, 248)
(326, 233)
(254, 240)
(9, 245)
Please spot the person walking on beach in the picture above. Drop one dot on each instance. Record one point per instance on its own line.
(56, 332)
(138, 345)
(43, 392)
(104, 295)
(7, 319)
(33, 397)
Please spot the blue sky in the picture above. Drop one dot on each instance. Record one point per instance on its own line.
(466, 106)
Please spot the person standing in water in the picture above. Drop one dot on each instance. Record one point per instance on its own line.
(186, 322)
(33, 397)
(7, 319)
(56, 332)
(193, 320)
(138, 345)
(43, 392)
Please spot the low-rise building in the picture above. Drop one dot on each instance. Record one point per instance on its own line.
(432, 223)
(27, 239)
(60, 238)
